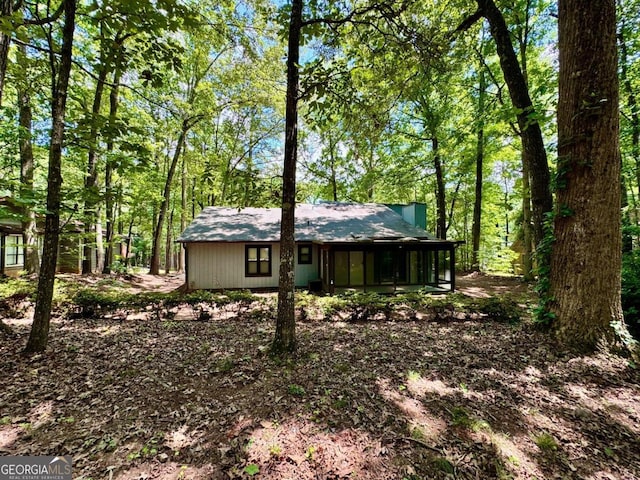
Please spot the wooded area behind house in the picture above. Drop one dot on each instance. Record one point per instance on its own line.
(122, 120)
(515, 123)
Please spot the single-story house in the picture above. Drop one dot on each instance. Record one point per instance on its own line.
(339, 247)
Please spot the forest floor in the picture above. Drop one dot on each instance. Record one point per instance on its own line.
(143, 397)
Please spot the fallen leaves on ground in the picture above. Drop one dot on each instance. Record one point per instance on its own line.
(148, 398)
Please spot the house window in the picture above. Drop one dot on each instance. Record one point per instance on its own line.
(13, 251)
(304, 255)
(257, 261)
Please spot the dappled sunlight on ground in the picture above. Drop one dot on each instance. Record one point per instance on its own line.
(302, 449)
(185, 398)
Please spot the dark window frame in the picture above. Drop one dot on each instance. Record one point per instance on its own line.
(247, 262)
(14, 251)
(301, 256)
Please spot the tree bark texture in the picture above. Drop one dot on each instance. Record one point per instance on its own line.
(284, 341)
(532, 144)
(32, 260)
(6, 9)
(39, 335)
(586, 255)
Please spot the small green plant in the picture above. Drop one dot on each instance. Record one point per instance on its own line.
(501, 309)
(5, 421)
(252, 469)
(275, 450)
(311, 449)
(296, 390)
(444, 465)
(546, 442)
(461, 418)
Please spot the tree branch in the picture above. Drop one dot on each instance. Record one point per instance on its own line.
(469, 21)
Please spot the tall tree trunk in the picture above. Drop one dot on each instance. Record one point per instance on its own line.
(285, 337)
(157, 231)
(532, 144)
(91, 180)
(39, 335)
(441, 222)
(586, 255)
(527, 234)
(168, 252)
(6, 9)
(32, 260)
(183, 213)
(477, 205)
(108, 175)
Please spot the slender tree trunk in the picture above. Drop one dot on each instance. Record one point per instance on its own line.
(157, 231)
(527, 234)
(333, 178)
(477, 205)
(586, 256)
(91, 180)
(108, 175)
(32, 260)
(284, 341)
(39, 335)
(6, 9)
(441, 223)
(168, 253)
(532, 144)
(127, 250)
(183, 213)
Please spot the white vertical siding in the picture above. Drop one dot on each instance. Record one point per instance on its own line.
(221, 265)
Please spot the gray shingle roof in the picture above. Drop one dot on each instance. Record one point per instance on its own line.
(325, 222)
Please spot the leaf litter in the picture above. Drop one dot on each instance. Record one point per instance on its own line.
(142, 397)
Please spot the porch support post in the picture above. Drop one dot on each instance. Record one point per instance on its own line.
(452, 256)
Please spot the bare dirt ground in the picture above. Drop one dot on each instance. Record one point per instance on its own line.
(176, 398)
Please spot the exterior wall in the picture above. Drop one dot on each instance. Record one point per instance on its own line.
(212, 266)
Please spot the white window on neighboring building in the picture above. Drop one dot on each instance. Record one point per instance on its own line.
(13, 251)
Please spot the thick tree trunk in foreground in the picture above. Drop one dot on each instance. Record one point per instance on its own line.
(532, 144)
(586, 255)
(42, 315)
(285, 337)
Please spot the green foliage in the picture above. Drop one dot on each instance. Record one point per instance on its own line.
(501, 309)
(12, 287)
(631, 291)
(252, 469)
(543, 315)
(296, 390)
(546, 442)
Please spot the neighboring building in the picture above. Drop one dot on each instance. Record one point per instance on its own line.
(11, 247)
(339, 247)
(12, 252)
